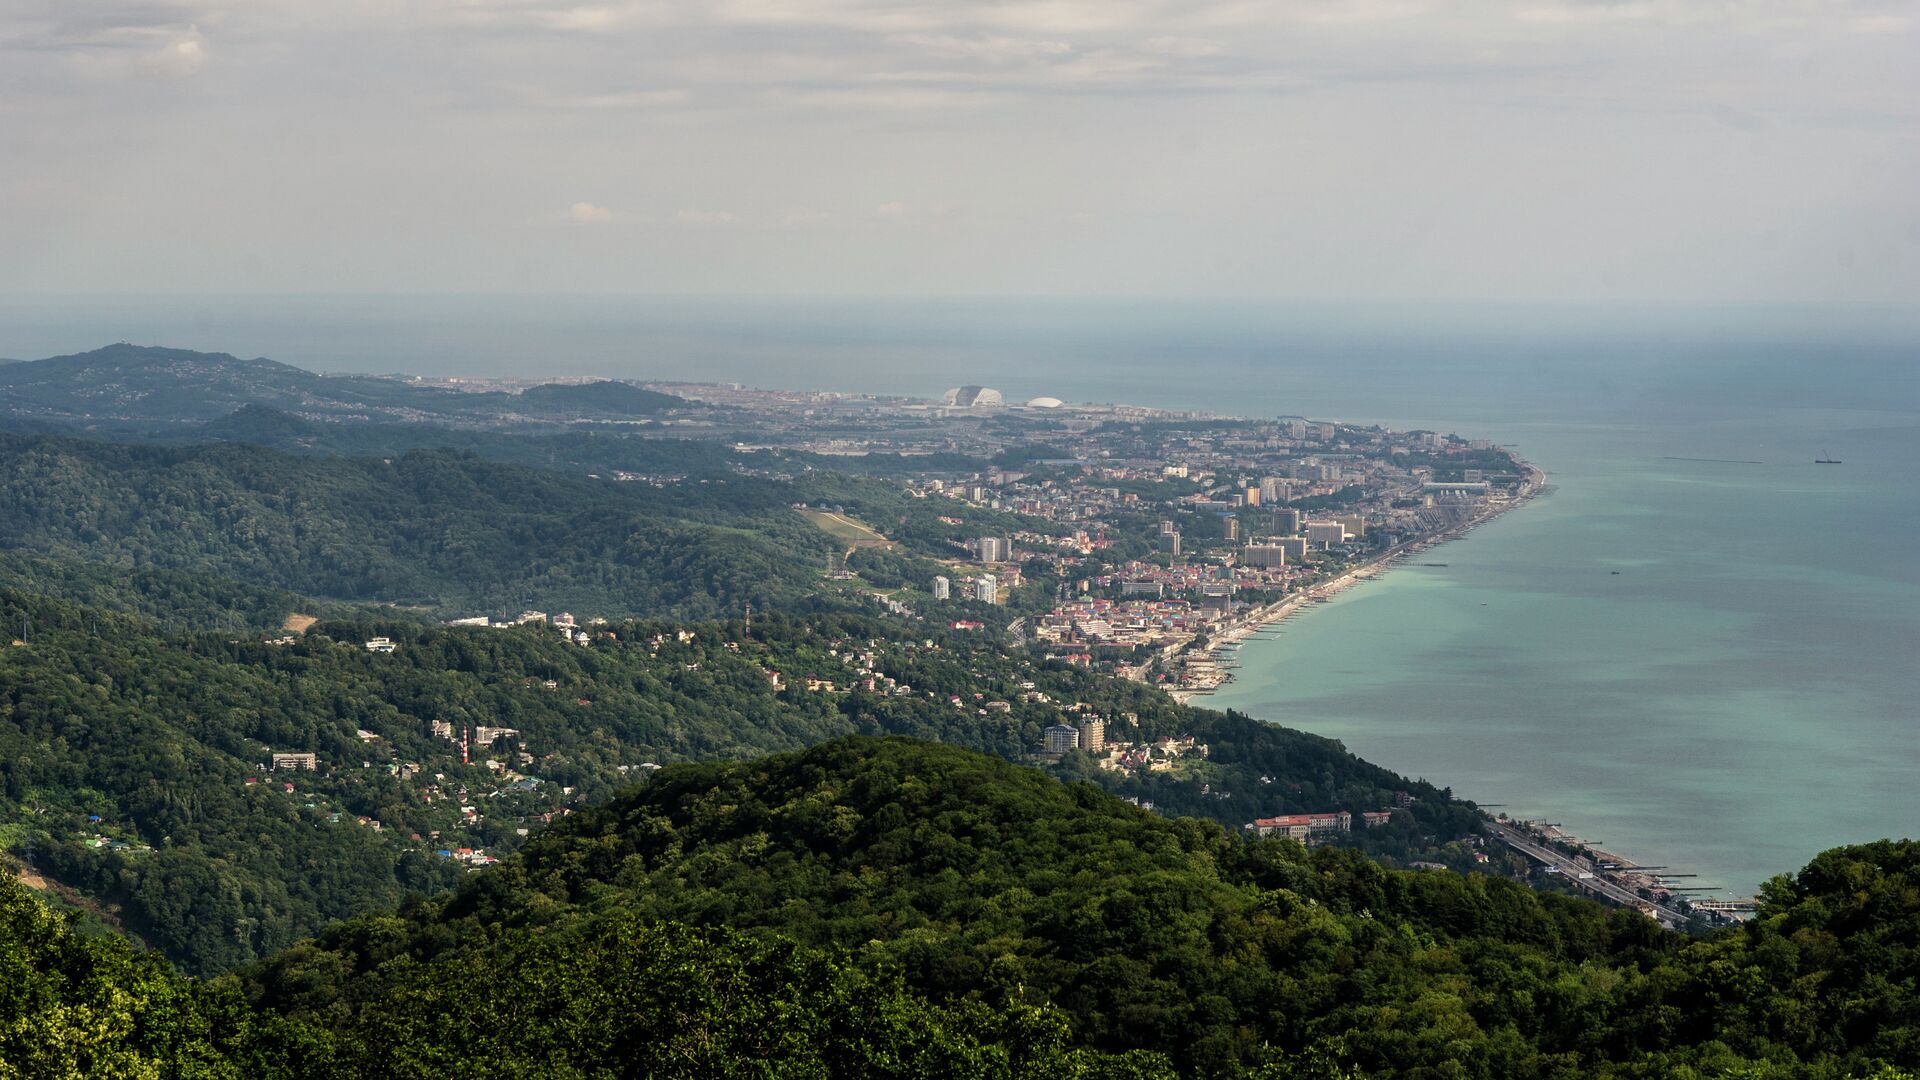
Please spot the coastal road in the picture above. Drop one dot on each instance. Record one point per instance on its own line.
(1571, 869)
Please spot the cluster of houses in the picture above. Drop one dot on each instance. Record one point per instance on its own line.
(867, 675)
(563, 624)
(100, 841)
(1116, 627)
(474, 858)
(1089, 734)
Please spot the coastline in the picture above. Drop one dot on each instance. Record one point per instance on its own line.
(1587, 868)
(1239, 629)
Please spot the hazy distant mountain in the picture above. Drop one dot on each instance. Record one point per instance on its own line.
(605, 398)
(147, 387)
(154, 385)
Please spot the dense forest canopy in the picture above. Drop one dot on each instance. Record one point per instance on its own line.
(601, 398)
(133, 388)
(122, 385)
(435, 529)
(896, 908)
(985, 889)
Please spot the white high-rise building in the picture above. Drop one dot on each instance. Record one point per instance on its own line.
(986, 589)
(1263, 555)
(1061, 738)
(1326, 532)
(942, 588)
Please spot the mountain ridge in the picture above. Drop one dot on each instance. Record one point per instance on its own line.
(161, 388)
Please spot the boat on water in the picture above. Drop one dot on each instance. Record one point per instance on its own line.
(1827, 461)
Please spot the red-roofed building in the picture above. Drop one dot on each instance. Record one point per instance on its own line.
(1301, 826)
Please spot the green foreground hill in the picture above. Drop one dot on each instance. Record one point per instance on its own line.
(898, 908)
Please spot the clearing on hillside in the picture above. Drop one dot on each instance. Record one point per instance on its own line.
(297, 623)
(855, 533)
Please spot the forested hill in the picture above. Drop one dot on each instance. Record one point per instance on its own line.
(434, 529)
(865, 907)
(135, 764)
(174, 598)
(574, 451)
(612, 997)
(126, 387)
(909, 910)
(138, 384)
(601, 398)
(980, 883)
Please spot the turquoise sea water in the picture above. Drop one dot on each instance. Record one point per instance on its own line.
(1744, 692)
(1738, 696)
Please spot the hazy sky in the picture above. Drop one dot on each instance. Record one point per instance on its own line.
(1684, 150)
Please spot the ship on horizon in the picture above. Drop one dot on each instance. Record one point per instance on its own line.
(1826, 458)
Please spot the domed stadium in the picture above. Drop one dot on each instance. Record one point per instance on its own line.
(973, 397)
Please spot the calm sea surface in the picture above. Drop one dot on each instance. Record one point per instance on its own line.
(1711, 665)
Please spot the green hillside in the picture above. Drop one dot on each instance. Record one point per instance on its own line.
(173, 597)
(126, 385)
(134, 762)
(602, 398)
(1326, 967)
(606, 997)
(433, 529)
(981, 884)
(576, 451)
(125, 388)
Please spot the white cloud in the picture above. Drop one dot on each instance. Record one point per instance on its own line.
(618, 99)
(1880, 24)
(113, 50)
(991, 48)
(1229, 140)
(183, 55)
(584, 18)
(893, 98)
(1187, 47)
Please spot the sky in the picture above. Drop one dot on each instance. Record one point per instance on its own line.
(1603, 151)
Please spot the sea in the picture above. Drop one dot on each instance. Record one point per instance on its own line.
(1700, 649)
